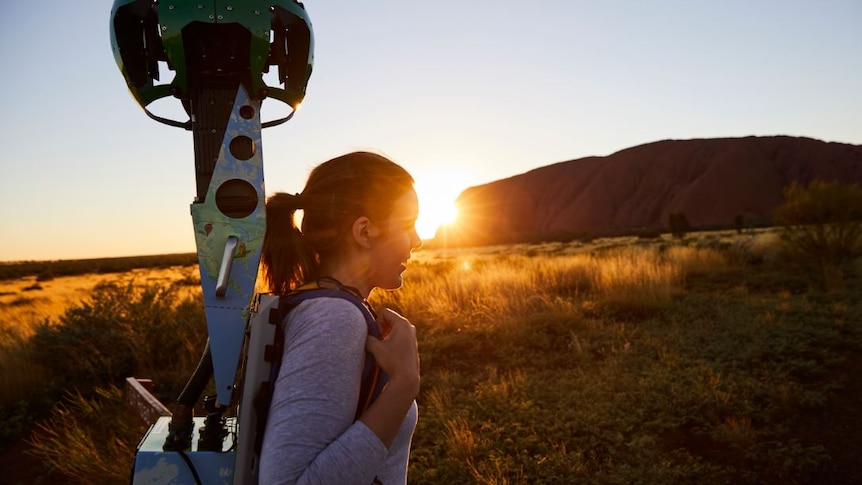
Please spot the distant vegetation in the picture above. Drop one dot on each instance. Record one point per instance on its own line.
(704, 359)
(46, 270)
(678, 224)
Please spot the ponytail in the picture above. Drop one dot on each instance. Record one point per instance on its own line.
(288, 260)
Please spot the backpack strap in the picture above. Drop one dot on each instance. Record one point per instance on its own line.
(373, 379)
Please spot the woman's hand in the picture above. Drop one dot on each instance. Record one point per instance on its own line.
(397, 354)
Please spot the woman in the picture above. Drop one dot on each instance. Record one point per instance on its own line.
(359, 212)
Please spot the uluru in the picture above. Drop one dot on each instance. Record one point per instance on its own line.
(715, 182)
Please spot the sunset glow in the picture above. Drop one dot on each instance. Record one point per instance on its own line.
(437, 193)
(476, 105)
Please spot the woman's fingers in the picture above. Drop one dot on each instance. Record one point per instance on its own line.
(397, 354)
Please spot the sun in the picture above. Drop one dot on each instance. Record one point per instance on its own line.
(437, 193)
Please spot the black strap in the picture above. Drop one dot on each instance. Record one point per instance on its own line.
(373, 379)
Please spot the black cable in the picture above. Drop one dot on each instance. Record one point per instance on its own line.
(191, 467)
(199, 379)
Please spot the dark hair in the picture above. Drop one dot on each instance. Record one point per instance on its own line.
(336, 194)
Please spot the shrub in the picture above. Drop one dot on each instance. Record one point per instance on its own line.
(822, 227)
(121, 331)
(46, 275)
(678, 224)
(739, 223)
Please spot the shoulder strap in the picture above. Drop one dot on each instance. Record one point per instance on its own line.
(373, 379)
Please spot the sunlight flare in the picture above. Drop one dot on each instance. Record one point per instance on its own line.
(437, 192)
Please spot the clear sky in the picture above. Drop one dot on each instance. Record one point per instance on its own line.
(460, 93)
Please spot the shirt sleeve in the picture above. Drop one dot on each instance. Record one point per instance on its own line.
(310, 436)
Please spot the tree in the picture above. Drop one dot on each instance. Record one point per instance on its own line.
(739, 222)
(678, 224)
(822, 226)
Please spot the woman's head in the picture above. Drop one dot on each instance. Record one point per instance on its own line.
(337, 193)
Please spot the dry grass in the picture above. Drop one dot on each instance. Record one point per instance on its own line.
(65, 442)
(697, 261)
(635, 279)
(26, 303)
(462, 289)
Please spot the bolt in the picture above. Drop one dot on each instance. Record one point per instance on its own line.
(164, 28)
(200, 6)
(229, 8)
(257, 12)
(211, 16)
(219, 17)
(170, 7)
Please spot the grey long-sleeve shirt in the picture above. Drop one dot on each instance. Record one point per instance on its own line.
(310, 436)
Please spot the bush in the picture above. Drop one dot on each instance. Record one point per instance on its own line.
(678, 224)
(122, 331)
(822, 227)
(739, 223)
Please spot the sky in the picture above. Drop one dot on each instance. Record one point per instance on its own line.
(459, 93)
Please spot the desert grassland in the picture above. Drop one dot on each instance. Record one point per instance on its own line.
(625, 361)
(709, 359)
(26, 300)
(29, 302)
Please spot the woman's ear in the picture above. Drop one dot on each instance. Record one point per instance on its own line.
(364, 231)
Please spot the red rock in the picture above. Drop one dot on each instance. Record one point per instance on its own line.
(710, 180)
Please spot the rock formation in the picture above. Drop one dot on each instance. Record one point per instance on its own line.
(711, 181)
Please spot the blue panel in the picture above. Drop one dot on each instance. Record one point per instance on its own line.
(156, 467)
(226, 314)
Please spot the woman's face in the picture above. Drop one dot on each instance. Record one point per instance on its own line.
(391, 249)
